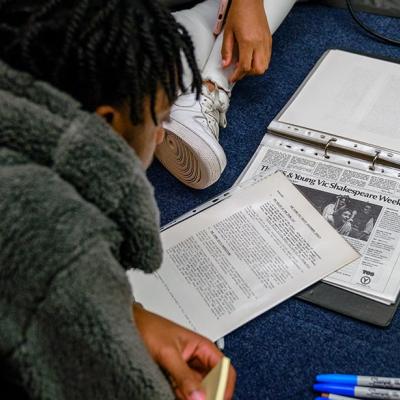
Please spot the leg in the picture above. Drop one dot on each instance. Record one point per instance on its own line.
(276, 11)
(199, 22)
(190, 150)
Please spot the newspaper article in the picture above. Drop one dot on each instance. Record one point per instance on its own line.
(241, 257)
(363, 207)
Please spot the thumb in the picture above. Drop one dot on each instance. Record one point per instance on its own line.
(227, 48)
(186, 382)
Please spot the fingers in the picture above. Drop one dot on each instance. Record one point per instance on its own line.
(243, 67)
(204, 349)
(207, 356)
(260, 62)
(186, 382)
(185, 356)
(252, 61)
(230, 386)
(227, 48)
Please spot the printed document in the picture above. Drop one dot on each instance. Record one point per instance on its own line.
(241, 257)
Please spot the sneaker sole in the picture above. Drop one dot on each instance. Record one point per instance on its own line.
(192, 158)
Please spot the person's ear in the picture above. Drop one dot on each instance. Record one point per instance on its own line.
(112, 116)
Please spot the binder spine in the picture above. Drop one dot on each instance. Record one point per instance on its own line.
(387, 160)
(371, 167)
(332, 148)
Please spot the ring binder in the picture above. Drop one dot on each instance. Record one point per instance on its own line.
(374, 160)
(328, 143)
(340, 151)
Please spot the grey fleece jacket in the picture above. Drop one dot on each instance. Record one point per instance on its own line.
(76, 211)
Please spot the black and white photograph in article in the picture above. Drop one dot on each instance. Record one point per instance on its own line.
(350, 217)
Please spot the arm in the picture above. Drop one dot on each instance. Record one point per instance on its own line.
(328, 212)
(67, 328)
(82, 342)
(345, 229)
(369, 226)
(364, 235)
(247, 39)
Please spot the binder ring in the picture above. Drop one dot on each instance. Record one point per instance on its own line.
(328, 143)
(374, 160)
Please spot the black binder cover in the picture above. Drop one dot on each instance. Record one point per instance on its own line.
(350, 304)
(343, 301)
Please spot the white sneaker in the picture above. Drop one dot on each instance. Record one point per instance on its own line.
(190, 150)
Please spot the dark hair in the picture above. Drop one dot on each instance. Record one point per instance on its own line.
(99, 51)
(344, 197)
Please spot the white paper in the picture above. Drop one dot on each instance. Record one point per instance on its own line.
(351, 96)
(241, 257)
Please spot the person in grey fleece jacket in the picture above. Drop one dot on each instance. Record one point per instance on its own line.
(76, 207)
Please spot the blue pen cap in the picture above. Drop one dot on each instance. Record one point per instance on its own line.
(334, 389)
(337, 378)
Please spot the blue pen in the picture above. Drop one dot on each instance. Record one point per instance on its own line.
(358, 380)
(334, 397)
(358, 391)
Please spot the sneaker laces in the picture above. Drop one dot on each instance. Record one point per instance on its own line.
(214, 105)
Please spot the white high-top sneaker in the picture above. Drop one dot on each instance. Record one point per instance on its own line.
(190, 150)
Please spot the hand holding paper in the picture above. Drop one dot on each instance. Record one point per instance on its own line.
(184, 355)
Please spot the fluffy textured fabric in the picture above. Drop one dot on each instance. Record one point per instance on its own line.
(76, 210)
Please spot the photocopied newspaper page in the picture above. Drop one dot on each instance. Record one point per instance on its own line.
(364, 207)
(237, 259)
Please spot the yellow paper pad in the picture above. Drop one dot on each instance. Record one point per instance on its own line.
(215, 382)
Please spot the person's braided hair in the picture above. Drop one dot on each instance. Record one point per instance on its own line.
(99, 51)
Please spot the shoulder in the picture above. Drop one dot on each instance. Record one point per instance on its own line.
(44, 215)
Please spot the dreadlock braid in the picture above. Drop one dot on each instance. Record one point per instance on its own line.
(169, 47)
(99, 51)
(73, 26)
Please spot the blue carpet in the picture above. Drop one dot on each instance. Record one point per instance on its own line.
(278, 354)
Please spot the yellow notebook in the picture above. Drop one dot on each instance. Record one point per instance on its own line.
(215, 382)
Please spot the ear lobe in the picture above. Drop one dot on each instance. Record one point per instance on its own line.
(112, 116)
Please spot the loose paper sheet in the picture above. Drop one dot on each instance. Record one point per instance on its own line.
(241, 257)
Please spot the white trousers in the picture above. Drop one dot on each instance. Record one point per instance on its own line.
(199, 22)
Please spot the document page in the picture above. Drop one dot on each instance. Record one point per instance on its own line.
(351, 96)
(364, 207)
(241, 257)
